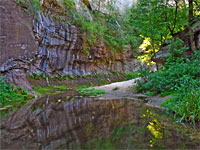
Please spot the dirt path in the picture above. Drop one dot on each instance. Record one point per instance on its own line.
(125, 89)
(119, 86)
(122, 89)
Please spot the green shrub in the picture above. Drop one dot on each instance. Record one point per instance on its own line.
(179, 77)
(177, 72)
(186, 105)
(12, 95)
(132, 75)
(172, 78)
(31, 5)
(86, 91)
(42, 75)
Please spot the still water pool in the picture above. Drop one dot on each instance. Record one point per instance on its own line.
(71, 121)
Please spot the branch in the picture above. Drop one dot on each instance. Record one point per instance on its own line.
(166, 19)
(176, 11)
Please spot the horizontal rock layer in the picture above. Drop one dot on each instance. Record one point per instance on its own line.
(36, 44)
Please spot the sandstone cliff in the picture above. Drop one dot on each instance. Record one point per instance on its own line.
(39, 43)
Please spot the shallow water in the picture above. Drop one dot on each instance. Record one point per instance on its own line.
(71, 121)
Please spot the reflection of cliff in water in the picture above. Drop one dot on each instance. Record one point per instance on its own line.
(68, 121)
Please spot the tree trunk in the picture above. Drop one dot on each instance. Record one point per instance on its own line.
(190, 12)
(190, 21)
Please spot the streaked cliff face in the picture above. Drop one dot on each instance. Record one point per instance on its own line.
(44, 44)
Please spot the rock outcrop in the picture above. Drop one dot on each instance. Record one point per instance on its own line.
(35, 44)
(17, 42)
(60, 50)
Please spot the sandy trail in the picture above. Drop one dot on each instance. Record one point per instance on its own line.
(123, 90)
(120, 86)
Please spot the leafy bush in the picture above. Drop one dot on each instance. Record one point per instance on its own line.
(177, 72)
(179, 77)
(186, 105)
(86, 91)
(173, 78)
(11, 95)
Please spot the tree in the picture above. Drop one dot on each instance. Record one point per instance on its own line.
(191, 16)
(147, 17)
(190, 22)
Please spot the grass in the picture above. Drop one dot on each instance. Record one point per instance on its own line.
(185, 105)
(61, 87)
(132, 75)
(93, 92)
(11, 95)
(41, 91)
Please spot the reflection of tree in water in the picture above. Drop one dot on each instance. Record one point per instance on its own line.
(154, 127)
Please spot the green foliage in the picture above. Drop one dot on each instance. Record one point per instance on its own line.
(70, 77)
(171, 79)
(176, 52)
(98, 76)
(37, 76)
(85, 51)
(35, 4)
(145, 18)
(61, 87)
(180, 77)
(132, 75)
(21, 2)
(12, 95)
(43, 90)
(40, 91)
(31, 5)
(94, 92)
(186, 105)
(157, 21)
(98, 26)
(115, 89)
(69, 4)
(178, 72)
(42, 75)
